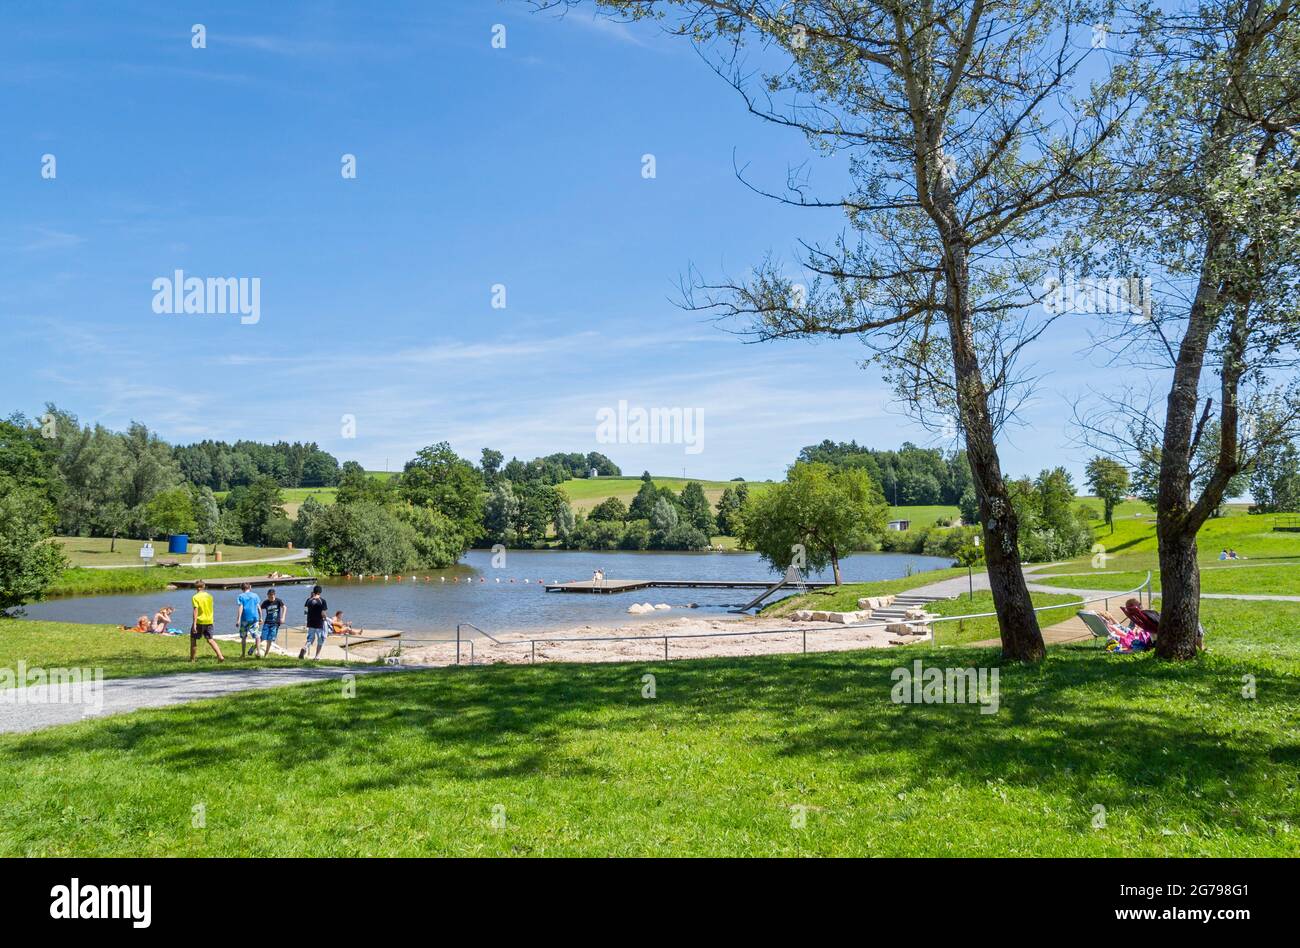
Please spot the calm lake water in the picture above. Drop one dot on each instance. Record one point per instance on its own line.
(515, 603)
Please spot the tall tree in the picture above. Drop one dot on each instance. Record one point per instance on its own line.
(29, 562)
(1108, 480)
(696, 508)
(962, 162)
(440, 479)
(490, 463)
(1217, 159)
(819, 515)
(643, 504)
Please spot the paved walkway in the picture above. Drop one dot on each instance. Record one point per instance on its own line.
(1071, 630)
(33, 708)
(959, 586)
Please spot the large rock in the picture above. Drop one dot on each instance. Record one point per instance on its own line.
(875, 602)
(906, 628)
(910, 640)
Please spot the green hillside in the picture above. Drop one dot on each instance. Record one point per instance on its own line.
(586, 492)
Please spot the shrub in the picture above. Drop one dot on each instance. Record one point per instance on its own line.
(361, 538)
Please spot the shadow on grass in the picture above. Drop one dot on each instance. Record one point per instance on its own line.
(1084, 723)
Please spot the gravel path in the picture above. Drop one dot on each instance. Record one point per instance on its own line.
(41, 706)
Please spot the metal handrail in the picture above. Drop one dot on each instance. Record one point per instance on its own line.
(532, 643)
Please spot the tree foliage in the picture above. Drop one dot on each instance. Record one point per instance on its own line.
(819, 515)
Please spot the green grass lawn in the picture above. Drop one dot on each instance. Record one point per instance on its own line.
(1280, 579)
(94, 551)
(964, 631)
(294, 496)
(1133, 544)
(925, 516)
(120, 654)
(572, 760)
(79, 581)
(845, 598)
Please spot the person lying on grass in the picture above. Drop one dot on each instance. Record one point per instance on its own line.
(141, 625)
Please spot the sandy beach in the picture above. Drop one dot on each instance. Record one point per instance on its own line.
(645, 641)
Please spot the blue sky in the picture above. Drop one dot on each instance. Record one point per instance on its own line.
(475, 166)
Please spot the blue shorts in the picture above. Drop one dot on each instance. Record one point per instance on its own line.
(269, 632)
(314, 634)
(245, 628)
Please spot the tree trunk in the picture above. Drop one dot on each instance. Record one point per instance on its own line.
(1177, 519)
(1180, 595)
(835, 565)
(1018, 624)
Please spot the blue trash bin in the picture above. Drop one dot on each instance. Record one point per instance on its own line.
(178, 543)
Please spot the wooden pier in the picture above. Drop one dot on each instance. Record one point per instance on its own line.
(608, 586)
(235, 582)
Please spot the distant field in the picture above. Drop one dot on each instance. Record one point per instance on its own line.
(93, 551)
(1133, 544)
(1127, 509)
(294, 496)
(923, 517)
(79, 581)
(586, 492)
(1267, 579)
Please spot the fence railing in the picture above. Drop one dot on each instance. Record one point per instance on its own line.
(402, 640)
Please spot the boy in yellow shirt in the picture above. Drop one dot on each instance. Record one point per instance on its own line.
(203, 620)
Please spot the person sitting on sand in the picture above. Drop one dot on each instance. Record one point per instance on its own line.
(341, 625)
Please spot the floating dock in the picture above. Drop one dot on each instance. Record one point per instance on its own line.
(234, 582)
(608, 586)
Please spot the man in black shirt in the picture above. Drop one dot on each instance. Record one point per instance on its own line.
(315, 608)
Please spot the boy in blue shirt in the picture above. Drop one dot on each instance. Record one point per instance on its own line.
(246, 616)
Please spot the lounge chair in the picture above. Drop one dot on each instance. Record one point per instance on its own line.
(1095, 623)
